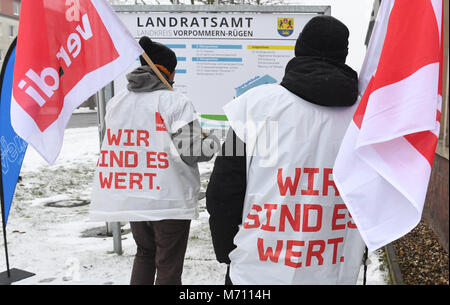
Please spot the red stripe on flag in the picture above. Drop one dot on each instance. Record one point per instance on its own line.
(361, 110)
(406, 49)
(408, 46)
(438, 116)
(425, 143)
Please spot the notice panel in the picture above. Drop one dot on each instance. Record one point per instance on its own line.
(218, 52)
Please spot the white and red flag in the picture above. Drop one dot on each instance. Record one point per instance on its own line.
(66, 51)
(384, 163)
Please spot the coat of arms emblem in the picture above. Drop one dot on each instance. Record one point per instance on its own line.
(285, 26)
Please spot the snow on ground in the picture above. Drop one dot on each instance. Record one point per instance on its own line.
(61, 246)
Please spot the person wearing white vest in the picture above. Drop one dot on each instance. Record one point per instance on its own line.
(147, 172)
(276, 216)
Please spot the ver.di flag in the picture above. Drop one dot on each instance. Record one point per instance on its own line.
(66, 51)
(384, 163)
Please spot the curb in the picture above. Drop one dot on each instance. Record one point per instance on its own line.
(394, 268)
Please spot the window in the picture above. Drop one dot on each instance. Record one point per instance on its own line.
(16, 8)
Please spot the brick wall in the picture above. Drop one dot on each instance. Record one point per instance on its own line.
(6, 7)
(437, 202)
(8, 26)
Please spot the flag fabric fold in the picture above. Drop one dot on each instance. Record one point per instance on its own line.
(384, 164)
(66, 52)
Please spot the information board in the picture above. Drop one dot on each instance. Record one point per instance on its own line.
(217, 51)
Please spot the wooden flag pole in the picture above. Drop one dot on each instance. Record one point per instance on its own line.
(161, 77)
(156, 70)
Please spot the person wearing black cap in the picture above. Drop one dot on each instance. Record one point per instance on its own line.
(163, 142)
(257, 210)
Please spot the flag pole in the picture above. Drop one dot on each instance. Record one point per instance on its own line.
(156, 70)
(366, 254)
(162, 78)
(2, 196)
(5, 241)
(10, 275)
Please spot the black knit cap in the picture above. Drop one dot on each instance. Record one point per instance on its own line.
(158, 53)
(323, 36)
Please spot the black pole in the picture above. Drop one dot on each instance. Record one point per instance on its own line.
(2, 197)
(4, 216)
(365, 265)
(10, 275)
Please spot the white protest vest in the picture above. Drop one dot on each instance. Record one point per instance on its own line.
(296, 228)
(139, 174)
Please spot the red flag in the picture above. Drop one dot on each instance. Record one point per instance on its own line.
(65, 53)
(384, 164)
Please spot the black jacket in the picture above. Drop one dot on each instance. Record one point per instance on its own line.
(317, 80)
(225, 195)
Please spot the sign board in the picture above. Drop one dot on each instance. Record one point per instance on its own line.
(220, 48)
